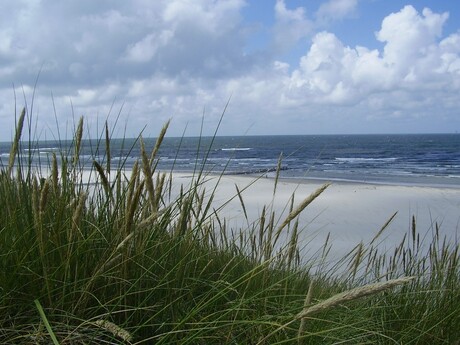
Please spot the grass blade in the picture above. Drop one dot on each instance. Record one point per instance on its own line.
(45, 321)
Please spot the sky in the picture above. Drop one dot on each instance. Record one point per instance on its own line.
(282, 66)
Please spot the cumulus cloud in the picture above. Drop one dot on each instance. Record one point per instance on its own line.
(409, 36)
(413, 61)
(290, 26)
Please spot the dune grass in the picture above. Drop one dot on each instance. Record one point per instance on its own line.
(127, 259)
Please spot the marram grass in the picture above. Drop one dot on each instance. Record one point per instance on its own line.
(128, 260)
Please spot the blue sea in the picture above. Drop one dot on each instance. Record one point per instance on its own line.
(417, 159)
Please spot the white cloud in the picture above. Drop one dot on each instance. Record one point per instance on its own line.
(413, 61)
(450, 48)
(408, 35)
(290, 27)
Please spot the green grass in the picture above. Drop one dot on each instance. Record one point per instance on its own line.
(130, 261)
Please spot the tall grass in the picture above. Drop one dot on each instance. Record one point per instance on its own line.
(129, 260)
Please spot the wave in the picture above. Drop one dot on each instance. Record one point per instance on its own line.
(236, 149)
(42, 149)
(365, 160)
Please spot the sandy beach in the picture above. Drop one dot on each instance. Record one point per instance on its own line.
(350, 212)
(347, 212)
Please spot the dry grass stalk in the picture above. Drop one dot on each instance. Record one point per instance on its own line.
(127, 200)
(353, 294)
(291, 205)
(268, 244)
(43, 198)
(262, 227)
(17, 138)
(128, 238)
(382, 229)
(78, 137)
(159, 141)
(293, 243)
(357, 259)
(132, 182)
(64, 172)
(241, 202)
(118, 185)
(147, 174)
(110, 263)
(278, 170)
(154, 216)
(105, 181)
(326, 249)
(200, 201)
(39, 199)
(307, 302)
(132, 206)
(158, 191)
(78, 212)
(123, 243)
(107, 147)
(184, 217)
(36, 202)
(307, 201)
(114, 329)
(54, 173)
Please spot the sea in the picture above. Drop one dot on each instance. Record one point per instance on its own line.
(415, 159)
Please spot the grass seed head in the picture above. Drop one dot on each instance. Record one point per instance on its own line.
(78, 139)
(17, 138)
(114, 329)
(353, 294)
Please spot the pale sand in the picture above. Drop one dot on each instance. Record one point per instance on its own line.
(350, 212)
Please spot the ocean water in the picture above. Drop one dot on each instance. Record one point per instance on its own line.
(425, 159)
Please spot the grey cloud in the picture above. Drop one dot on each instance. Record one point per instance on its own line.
(92, 42)
(335, 10)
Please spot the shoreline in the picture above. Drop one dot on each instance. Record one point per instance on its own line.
(306, 180)
(411, 181)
